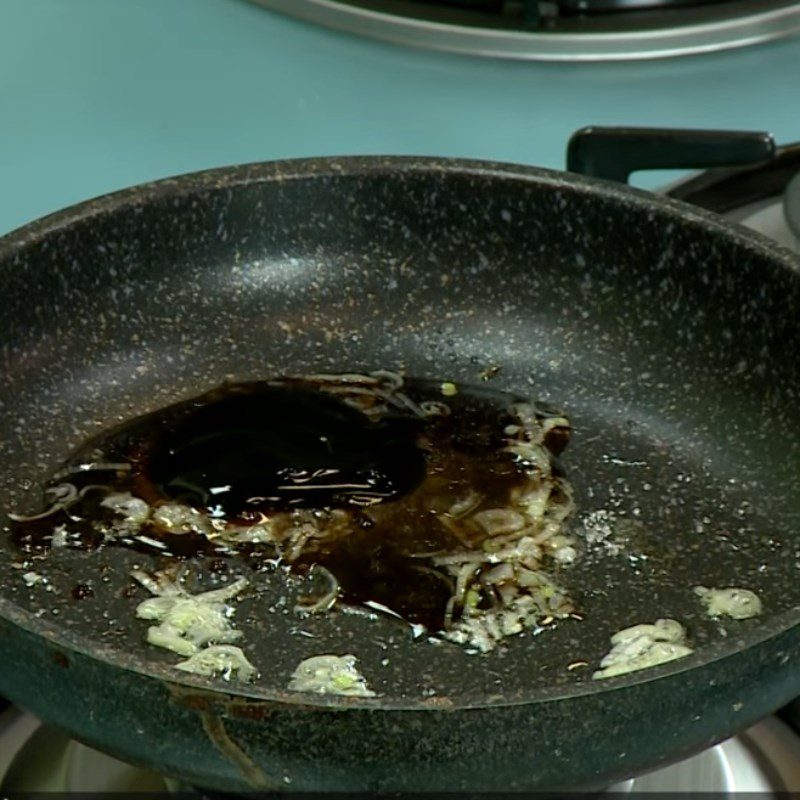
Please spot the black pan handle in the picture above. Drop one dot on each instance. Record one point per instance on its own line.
(614, 153)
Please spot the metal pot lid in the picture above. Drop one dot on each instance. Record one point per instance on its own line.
(558, 30)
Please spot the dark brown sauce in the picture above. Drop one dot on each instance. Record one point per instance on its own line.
(261, 447)
(245, 451)
(82, 591)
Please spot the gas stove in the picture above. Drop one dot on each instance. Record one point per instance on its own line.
(227, 82)
(557, 30)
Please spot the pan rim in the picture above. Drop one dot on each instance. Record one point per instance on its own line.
(284, 170)
(221, 178)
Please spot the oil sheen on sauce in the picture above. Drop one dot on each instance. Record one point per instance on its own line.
(247, 451)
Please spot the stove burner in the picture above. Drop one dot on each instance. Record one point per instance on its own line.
(557, 30)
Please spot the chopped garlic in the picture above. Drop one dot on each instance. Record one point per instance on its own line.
(33, 578)
(565, 555)
(59, 536)
(543, 603)
(132, 509)
(497, 521)
(449, 389)
(220, 659)
(644, 646)
(328, 674)
(734, 603)
(177, 518)
(261, 533)
(188, 622)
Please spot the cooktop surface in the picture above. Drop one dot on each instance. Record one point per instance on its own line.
(97, 96)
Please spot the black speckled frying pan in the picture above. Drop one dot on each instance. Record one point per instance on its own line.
(669, 336)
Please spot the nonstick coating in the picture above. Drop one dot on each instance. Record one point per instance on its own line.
(669, 336)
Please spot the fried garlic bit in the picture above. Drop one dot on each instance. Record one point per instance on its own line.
(329, 674)
(186, 623)
(731, 602)
(644, 646)
(225, 660)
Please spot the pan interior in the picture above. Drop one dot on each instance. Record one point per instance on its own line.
(669, 343)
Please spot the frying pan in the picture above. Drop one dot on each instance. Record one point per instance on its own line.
(668, 335)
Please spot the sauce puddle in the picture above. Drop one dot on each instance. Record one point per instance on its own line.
(384, 483)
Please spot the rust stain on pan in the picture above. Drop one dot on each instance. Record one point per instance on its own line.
(221, 739)
(61, 659)
(211, 708)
